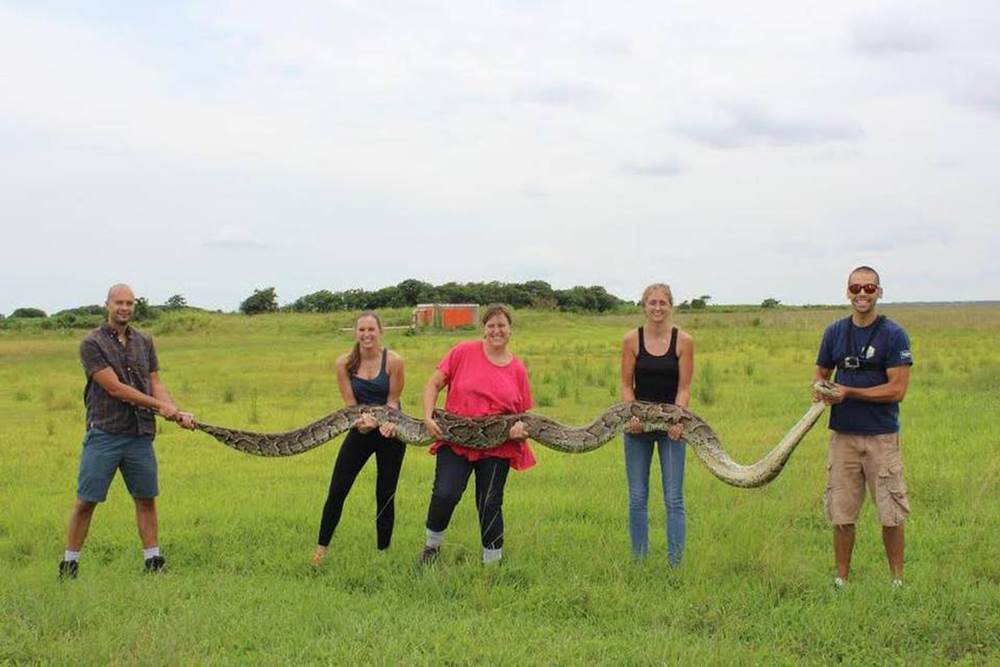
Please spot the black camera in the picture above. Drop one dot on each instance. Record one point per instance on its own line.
(851, 363)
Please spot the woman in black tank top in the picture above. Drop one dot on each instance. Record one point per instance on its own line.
(657, 365)
(368, 375)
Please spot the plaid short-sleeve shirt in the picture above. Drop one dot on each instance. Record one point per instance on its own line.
(132, 363)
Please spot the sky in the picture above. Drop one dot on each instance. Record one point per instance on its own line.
(212, 148)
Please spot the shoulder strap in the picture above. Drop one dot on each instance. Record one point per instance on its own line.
(642, 343)
(849, 343)
(878, 324)
(672, 350)
(385, 356)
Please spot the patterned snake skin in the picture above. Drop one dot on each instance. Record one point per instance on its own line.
(488, 432)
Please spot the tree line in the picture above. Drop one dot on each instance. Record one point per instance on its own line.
(531, 294)
(410, 292)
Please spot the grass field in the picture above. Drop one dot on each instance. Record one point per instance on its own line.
(754, 588)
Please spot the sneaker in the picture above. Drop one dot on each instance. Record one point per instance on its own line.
(491, 556)
(319, 555)
(429, 555)
(68, 569)
(839, 583)
(155, 564)
(897, 583)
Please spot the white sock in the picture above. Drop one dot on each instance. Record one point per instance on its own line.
(434, 539)
(492, 555)
(71, 555)
(150, 552)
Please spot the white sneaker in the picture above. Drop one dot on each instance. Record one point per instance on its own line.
(897, 583)
(839, 583)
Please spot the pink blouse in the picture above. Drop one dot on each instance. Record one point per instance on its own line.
(477, 388)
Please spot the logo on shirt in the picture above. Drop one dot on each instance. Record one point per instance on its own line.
(905, 354)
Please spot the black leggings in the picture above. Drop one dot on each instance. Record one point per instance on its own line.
(354, 453)
(451, 475)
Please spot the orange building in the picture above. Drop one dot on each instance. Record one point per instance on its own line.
(446, 315)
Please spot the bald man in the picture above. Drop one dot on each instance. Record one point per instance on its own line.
(123, 395)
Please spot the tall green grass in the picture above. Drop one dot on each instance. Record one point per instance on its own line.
(238, 531)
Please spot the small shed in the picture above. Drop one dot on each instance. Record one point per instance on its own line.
(446, 315)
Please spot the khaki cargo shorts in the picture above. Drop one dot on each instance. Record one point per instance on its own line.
(856, 459)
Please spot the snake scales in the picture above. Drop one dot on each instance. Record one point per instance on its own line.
(488, 432)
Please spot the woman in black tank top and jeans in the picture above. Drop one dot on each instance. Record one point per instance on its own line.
(368, 375)
(657, 365)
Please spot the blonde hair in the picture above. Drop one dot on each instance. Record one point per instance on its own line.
(658, 286)
(354, 358)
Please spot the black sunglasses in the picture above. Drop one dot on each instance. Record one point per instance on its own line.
(869, 288)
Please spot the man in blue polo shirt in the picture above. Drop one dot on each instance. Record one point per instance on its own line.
(871, 355)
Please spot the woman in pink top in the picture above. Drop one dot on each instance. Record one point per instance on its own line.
(483, 378)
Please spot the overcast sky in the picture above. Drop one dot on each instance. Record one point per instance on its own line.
(210, 148)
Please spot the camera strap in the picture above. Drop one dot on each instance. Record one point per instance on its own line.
(863, 364)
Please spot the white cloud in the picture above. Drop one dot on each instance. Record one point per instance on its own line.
(740, 126)
(579, 95)
(656, 168)
(891, 33)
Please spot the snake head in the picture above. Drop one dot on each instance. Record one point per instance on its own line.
(825, 388)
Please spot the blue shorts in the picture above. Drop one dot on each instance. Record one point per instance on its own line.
(104, 453)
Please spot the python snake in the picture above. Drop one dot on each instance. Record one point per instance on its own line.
(488, 432)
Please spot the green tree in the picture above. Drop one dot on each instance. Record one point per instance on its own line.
(700, 302)
(261, 301)
(323, 301)
(355, 299)
(386, 297)
(542, 294)
(592, 298)
(143, 311)
(769, 303)
(176, 302)
(411, 292)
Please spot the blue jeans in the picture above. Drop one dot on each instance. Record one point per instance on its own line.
(638, 456)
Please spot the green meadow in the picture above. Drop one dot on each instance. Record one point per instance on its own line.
(754, 588)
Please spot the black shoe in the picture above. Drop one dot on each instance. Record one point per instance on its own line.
(155, 564)
(68, 569)
(429, 555)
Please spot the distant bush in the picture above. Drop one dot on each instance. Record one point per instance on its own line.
(94, 309)
(769, 303)
(73, 321)
(28, 313)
